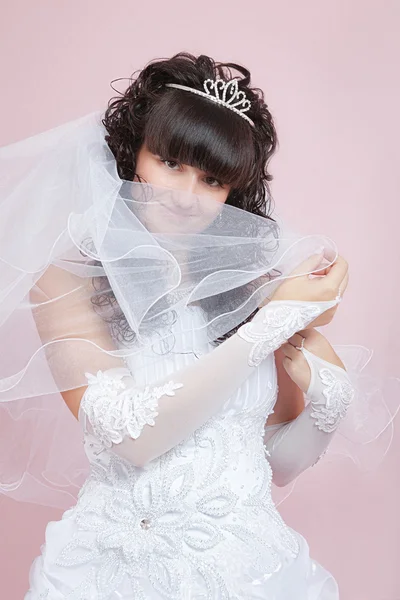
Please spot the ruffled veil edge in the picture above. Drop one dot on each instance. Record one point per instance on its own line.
(93, 266)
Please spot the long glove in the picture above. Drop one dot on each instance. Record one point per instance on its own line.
(140, 423)
(296, 445)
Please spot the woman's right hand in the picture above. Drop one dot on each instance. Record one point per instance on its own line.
(317, 289)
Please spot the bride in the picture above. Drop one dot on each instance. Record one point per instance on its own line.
(178, 322)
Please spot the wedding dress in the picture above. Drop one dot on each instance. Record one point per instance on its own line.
(196, 522)
(176, 468)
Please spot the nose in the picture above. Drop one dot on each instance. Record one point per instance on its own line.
(185, 202)
(191, 184)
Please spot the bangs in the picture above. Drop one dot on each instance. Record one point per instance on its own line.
(193, 130)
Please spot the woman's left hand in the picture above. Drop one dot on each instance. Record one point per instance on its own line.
(295, 363)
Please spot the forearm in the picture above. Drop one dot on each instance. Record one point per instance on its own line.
(294, 446)
(141, 424)
(203, 389)
(290, 398)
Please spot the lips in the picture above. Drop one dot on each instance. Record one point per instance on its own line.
(178, 212)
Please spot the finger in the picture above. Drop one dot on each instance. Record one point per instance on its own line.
(329, 267)
(314, 263)
(330, 256)
(328, 280)
(337, 273)
(323, 271)
(309, 265)
(344, 284)
(289, 351)
(296, 339)
(305, 333)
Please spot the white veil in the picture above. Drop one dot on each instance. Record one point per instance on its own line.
(91, 266)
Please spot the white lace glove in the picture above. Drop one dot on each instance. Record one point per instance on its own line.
(296, 445)
(118, 410)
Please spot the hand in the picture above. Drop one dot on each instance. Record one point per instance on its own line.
(295, 363)
(317, 289)
(325, 286)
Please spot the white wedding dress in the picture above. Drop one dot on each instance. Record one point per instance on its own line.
(196, 523)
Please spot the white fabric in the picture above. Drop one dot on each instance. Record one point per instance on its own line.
(296, 445)
(197, 522)
(93, 267)
(190, 514)
(198, 391)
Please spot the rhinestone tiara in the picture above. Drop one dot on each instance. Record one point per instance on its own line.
(218, 91)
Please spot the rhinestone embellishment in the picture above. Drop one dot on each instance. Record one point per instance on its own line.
(145, 523)
(222, 92)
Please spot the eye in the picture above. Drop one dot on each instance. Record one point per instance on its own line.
(212, 182)
(171, 164)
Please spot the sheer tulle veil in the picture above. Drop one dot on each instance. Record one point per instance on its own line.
(79, 245)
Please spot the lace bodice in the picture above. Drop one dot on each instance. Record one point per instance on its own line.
(205, 500)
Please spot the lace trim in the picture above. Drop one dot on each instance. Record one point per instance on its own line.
(115, 410)
(338, 394)
(278, 325)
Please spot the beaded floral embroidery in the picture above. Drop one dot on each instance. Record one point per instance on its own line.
(115, 410)
(339, 395)
(170, 528)
(279, 323)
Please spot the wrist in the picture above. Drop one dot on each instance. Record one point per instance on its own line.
(274, 324)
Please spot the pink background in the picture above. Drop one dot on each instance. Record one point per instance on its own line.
(330, 74)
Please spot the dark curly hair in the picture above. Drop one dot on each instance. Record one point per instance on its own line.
(190, 129)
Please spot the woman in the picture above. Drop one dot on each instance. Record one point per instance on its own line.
(170, 313)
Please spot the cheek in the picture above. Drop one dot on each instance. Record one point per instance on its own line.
(222, 196)
(146, 166)
(143, 166)
(151, 170)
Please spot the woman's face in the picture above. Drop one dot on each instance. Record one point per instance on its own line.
(185, 199)
(158, 171)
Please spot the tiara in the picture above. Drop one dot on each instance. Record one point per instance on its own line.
(237, 100)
